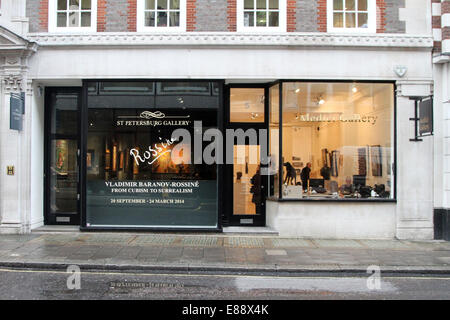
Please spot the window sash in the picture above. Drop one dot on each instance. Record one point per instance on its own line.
(70, 10)
(168, 14)
(345, 14)
(253, 13)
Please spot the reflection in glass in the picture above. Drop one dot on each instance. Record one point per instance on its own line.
(246, 105)
(162, 19)
(86, 5)
(85, 19)
(362, 20)
(249, 4)
(183, 88)
(136, 175)
(74, 18)
(63, 176)
(249, 19)
(162, 4)
(247, 191)
(274, 150)
(350, 20)
(337, 140)
(174, 19)
(350, 5)
(362, 5)
(338, 20)
(260, 4)
(62, 5)
(117, 87)
(150, 4)
(261, 19)
(273, 4)
(174, 4)
(273, 19)
(61, 20)
(64, 116)
(149, 18)
(338, 4)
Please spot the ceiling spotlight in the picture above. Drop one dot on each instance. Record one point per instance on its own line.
(355, 89)
(297, 90)
(320, 100)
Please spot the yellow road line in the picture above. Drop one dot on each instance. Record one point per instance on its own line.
(214, 275)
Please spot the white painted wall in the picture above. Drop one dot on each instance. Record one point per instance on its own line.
(229, 63)
(414, 177)
(332, 220)
(417, 16)
(442, 135)
(37, 158)
(13, 16)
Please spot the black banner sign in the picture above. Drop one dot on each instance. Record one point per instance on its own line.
(426, 117)
(17, 109)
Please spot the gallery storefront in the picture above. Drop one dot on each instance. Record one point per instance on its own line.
(309, 135)
(133, 154)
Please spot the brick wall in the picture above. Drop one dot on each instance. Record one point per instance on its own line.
(445, 27)
(231, 15)
(220, 15)
(101, 15)
(321, 15)
(290, 15)
(191, 10)
(38, 23)
(131, 15)
(211, 15)
(116, 15)
(381, 16)
(306, 16)
(392, 19)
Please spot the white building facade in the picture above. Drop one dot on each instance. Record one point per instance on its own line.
(335, 85)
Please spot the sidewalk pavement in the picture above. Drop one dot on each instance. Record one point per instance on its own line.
(220, 253)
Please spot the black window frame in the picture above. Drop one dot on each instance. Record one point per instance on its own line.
(83, 119)
(280, 162)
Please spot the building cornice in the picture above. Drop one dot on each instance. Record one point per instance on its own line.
(234, 39)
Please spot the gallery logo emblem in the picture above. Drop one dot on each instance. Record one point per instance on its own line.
(150, 115)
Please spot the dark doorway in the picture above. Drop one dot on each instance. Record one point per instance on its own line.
(62, 156)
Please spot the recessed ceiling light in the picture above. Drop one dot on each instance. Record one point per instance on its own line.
(297, 90)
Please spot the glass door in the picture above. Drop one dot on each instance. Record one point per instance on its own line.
(246, 185)
(62, 157)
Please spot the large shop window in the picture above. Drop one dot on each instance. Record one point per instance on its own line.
(72, 15)
(337, 141)
(161, 15)
(136, 176)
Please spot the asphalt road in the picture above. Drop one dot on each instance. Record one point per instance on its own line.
(48, 284)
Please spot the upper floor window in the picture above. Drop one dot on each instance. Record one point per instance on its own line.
(261, 15)
(161, 15)
(72, 15)
(352, 16)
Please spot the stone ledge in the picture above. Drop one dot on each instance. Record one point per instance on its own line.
(233, 39)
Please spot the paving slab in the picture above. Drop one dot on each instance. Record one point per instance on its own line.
(219, 252)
